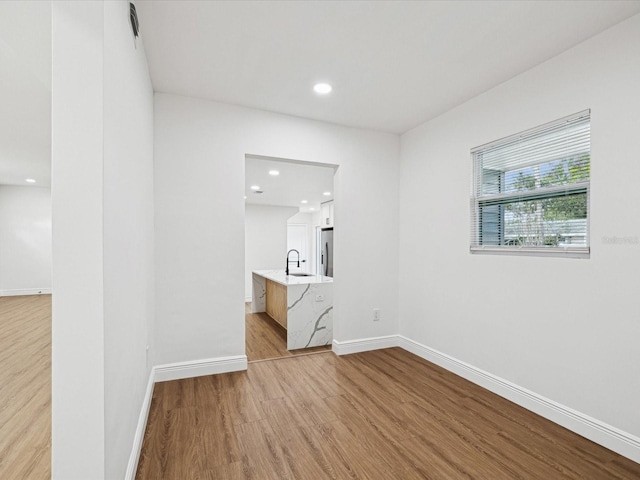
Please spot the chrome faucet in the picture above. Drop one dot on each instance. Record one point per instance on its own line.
(289, 261)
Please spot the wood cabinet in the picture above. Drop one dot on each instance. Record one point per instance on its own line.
(327, 214)
(276, 302)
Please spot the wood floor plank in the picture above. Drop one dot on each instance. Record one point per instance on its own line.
(25, 387)
(282, 414)
(375, 415)
(237, 398)
(312, 407)
(456, 430)
(218, 438)
(349, 457)
(263, 454)
(264, 384)
(231, 471)
(373, 434)
(302, 454)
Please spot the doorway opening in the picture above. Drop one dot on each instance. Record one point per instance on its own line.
(25, 239)
(288, 299)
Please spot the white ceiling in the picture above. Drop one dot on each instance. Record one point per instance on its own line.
(25, 92)
(296, 182)
(393, 64)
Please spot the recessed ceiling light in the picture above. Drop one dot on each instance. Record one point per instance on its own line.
(303, 201)
(322, 88)
(255, 187)
(326, 194)
(311, 209)
(275, 173)
(30, 180)
(245, 197)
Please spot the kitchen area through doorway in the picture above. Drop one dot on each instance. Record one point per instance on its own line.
(289, 222)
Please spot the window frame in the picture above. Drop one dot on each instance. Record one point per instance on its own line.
(477, 200)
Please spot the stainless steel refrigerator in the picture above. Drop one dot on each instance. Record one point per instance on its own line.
(326, 252)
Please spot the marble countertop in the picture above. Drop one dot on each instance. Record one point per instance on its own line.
(279, 276)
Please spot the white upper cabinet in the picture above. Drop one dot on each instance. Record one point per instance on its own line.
(327, 214)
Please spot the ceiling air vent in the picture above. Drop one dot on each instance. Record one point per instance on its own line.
(135, 25)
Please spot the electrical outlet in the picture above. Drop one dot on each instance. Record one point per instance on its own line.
(319, 298)
(376, 314)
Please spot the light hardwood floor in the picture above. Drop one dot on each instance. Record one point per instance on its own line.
(265, 339)
(385, 414)
(25, 387)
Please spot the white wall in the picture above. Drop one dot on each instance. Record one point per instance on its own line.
(102, 192)
(128, 233)
(25, 240)
(77, 202)
(200, 148)
(566, 329)
(265, 241)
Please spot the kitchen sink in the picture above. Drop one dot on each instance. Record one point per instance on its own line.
(301, 274)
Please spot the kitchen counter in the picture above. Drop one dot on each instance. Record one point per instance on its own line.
(302, 305)
(282, 278)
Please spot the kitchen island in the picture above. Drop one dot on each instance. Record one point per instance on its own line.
(302, 305)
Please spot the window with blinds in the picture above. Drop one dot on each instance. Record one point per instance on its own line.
(531, 191)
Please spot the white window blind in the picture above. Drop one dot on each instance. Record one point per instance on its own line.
(531, 191)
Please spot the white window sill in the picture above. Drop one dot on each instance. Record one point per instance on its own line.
(574, 252)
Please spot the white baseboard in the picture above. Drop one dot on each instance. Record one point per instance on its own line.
(198, 368)
(25, 291)
(364, 344)
(132, 467)
(599, 432)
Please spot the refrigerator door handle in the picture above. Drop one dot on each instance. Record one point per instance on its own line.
(326, 265)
